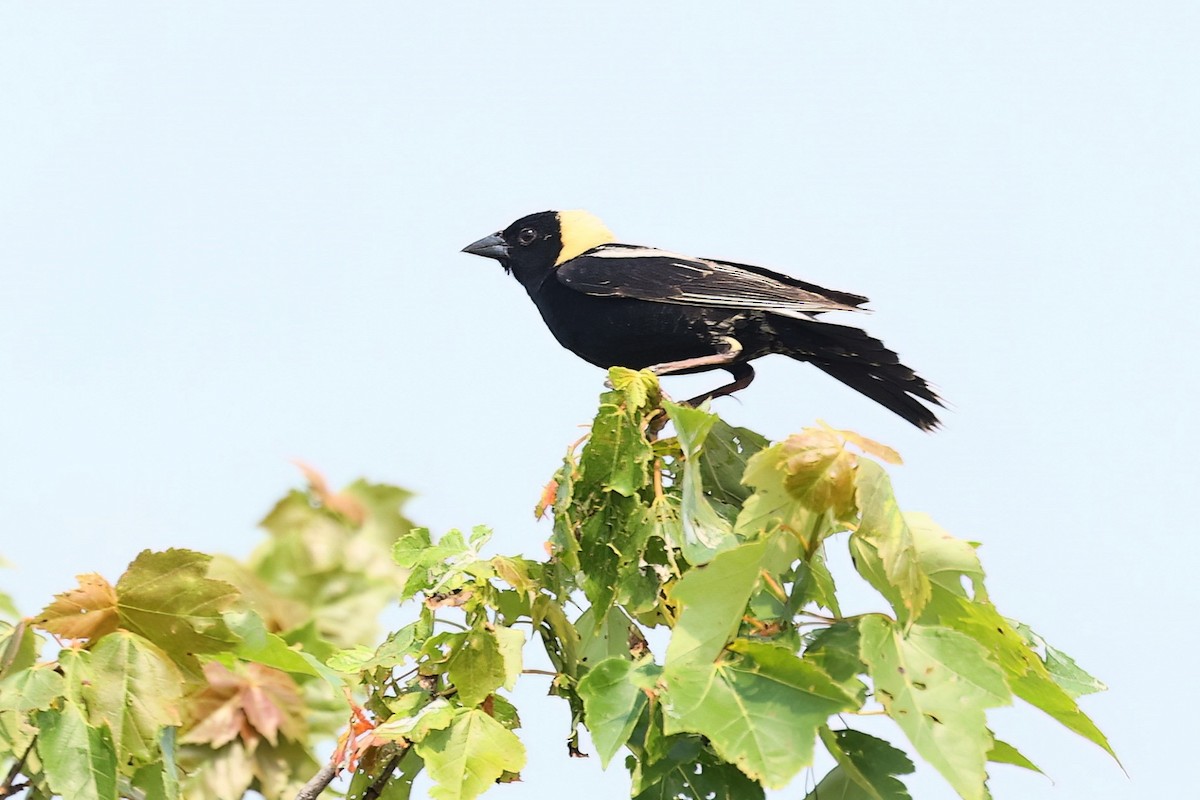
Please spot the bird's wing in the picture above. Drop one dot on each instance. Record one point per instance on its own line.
(645, 273)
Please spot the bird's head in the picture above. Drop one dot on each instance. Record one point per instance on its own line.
(542, 241)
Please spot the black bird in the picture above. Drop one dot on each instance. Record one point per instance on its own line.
(638, 307)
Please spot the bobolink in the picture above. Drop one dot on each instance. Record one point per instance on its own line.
(623, 305)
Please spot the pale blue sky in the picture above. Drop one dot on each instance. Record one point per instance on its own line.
(229, 237)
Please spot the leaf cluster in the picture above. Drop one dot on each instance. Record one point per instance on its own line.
(196, 676)
(718, 538)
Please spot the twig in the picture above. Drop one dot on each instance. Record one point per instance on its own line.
(318, 783)
(451, 623)
(10, 787)
(539, 672)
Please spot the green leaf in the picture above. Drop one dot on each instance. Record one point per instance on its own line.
(222, 774)
(31, 689)
(638, 389)
(505, 712)
(610, 540)
(867, 765)
(435, 716)
(883, 547)
(1074, 680)
(814, 584)
(19, 647)
(370, 767)
(281, 770)
(167, 598)
(1026, 673)
(160, 780)
(801, 484)
(836, 650)
(737, 704)
(945, 559)
(1005, 753)
(79, 761)
(510, 641)
(866, 768)
(705, 532)
(613, 702)
(726, 451)
(687, 771)
(477, 667)
(616, 457)
(773, 506)
(713, 599)
(562, 640)
(352, 659)
(8, 609)
(134, 689)
(936, 683)
(466, 758)
(521, 574)
(429, 561)
(610, 638)
(262, 647)
(383, 522)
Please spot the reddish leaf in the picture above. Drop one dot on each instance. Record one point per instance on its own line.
(86, 612)
(254, 702)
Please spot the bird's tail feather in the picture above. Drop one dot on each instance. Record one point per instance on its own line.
(863, 363)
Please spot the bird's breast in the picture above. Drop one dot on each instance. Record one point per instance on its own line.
(617, 331)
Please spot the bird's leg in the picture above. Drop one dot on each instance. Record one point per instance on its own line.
(743, 373)
(733, 348)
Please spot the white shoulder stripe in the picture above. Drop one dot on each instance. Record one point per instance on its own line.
(626, 251)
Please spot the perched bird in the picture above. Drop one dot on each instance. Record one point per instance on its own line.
(623, 305)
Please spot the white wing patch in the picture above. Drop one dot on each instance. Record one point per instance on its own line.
(630, 251)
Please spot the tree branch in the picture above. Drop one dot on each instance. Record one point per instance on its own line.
(10, 786)
(318, 783)
(376, 789)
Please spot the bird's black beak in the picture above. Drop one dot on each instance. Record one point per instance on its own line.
(489, 247)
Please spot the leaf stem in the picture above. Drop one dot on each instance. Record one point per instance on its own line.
(539, 672)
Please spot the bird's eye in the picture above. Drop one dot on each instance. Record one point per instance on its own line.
(526, 236)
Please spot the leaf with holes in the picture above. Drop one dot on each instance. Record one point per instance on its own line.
(937, 683)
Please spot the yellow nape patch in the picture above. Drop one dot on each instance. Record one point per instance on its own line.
(581, 232)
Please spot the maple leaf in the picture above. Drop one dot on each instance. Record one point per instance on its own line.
(254, 702)
(168, 598)
(88, 611)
